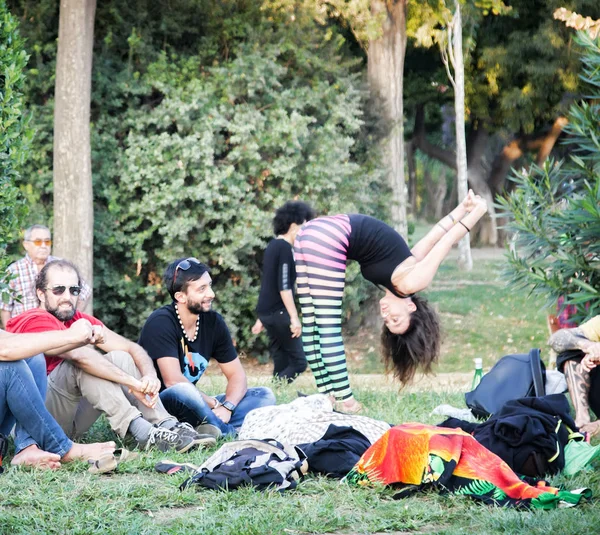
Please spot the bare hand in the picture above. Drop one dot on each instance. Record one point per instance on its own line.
(82, 332)
(468, 202)
(150, 385)
(296, 328)
(146, 399)
(98, 334)
(222, 413)
(257, 327)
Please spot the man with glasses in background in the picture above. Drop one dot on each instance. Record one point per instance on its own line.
(182, 337)
(83, 382)
(38, 244)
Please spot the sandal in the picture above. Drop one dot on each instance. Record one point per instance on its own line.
(171, 467)
(110, 461)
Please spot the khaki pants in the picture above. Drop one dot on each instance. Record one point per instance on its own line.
(76, 399)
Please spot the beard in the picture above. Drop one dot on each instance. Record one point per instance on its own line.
(62, 314)
(197, 307)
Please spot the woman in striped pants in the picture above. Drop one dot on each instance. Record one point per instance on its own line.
(411, 334)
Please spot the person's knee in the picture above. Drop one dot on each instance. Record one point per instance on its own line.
(182, 391)
(265, 394)
(122, 359)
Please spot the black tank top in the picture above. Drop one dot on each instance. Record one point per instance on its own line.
(378, 248)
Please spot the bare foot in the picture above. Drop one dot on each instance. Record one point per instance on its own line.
(592, 429)
(34, 456)
(349, 406)
(85, 452)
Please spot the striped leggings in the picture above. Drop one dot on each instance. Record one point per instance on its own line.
(320, 252)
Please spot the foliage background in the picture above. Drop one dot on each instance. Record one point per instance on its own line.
(14, 136)
(555, 210)
(205, 120)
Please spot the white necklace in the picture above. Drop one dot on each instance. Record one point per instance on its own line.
(183, 328)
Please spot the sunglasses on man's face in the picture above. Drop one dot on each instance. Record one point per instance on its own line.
(59, 290)
(39, 242)
(185, 265)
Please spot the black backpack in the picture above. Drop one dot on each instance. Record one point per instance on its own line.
(512, 377)
(262, 464)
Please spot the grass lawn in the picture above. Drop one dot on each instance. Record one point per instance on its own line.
(480, 318)
(138, 500)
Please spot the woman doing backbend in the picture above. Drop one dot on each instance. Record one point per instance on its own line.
(411, 333)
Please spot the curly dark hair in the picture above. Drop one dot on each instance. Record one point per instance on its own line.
(291, 212)
(418, 347)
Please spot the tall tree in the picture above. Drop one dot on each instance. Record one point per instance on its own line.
(386, 78)
(452, 56)
(73, 199)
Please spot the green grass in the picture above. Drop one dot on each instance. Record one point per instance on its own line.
(137, 500)
(480, 317)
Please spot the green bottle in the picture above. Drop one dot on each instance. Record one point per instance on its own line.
(478, 373)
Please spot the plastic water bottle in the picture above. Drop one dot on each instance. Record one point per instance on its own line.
(478, 373)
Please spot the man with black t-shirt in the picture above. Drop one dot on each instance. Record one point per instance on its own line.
(182, 337)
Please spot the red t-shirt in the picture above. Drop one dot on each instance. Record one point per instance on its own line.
(37, 320)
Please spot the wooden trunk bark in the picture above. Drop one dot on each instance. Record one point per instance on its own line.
(465, 261)
(386, 74)
(73, 200)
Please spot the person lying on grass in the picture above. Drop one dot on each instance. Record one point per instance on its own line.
(578, 352)
(411, 334)
(39, 440)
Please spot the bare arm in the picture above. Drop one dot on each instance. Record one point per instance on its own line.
(424, 246)
(4, 317)
(15, 346)
(237, 386)
(410, 276)
(565, 339)
(288, 300)
(116, 342)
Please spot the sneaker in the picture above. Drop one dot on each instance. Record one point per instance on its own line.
(209, 429)
(178, 439)
(206, 439)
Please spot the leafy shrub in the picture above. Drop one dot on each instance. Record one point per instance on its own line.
(14, 135)
(555, 210)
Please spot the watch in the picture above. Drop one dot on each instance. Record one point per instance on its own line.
(229, 406)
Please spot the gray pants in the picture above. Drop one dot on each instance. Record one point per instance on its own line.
(76, 399)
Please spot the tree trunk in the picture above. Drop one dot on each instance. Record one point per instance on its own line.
(73, 200)
(386, 73)
(465, 261)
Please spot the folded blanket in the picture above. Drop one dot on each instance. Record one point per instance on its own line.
(305, 419)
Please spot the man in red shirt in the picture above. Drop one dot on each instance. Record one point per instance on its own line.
(83, 382)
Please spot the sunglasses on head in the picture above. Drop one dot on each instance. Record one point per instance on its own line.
(185, 265)
(59, 290)
(38, 242)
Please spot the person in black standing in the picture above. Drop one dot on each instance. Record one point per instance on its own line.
(276, 309)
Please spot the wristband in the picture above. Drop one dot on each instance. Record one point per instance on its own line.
(452, 219)
(442, 226)
(468, 229)
(217, 404)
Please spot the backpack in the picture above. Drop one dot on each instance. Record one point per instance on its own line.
(262, 464)
(512, 377)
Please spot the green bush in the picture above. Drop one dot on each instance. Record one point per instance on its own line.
(14, 136)
(555, 210)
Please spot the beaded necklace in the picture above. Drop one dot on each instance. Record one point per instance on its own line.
(183, 328)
